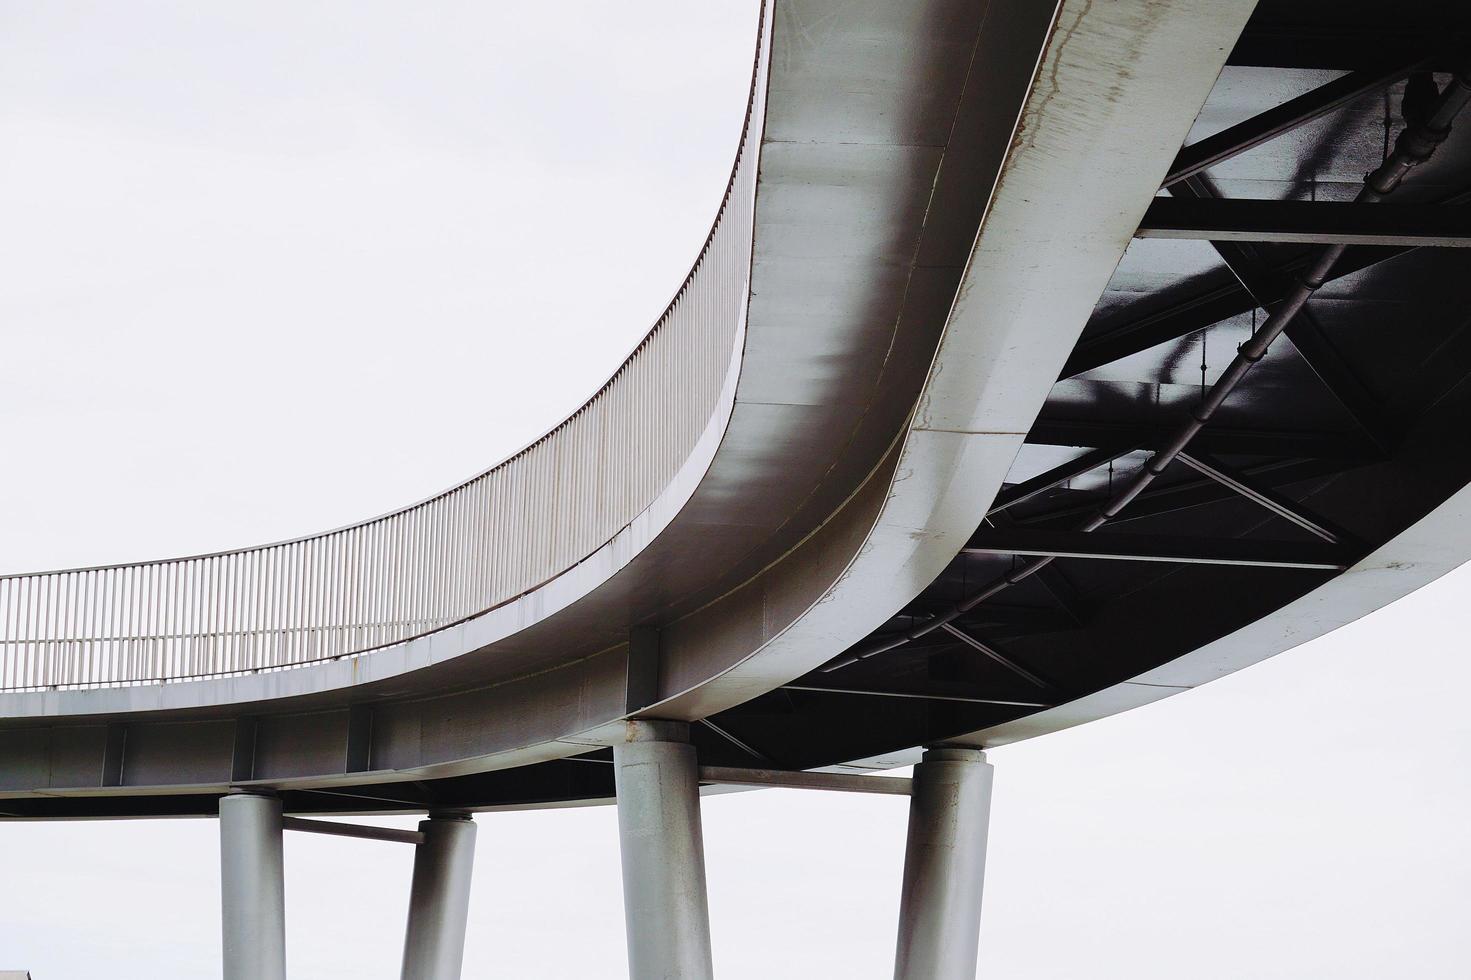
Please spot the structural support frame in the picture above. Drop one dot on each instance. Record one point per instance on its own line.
(252, 886)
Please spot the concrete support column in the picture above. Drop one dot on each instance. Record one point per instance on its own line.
(944, 867)
(439, 899)
(252, 887)
(664, 903)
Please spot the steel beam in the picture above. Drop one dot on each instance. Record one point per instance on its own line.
(1308, 222)
(641, 684)
(1045, 543)
(439, 898)
(726, 734)
(1188, 494)
(944, 867)
(1284, 118)
(1280, 443)
(252, 888)
(334, 829)
(1261, 496)
(359, 748)
(1055, 477)
(987, 650)
(1002, 619)
(842, 782)
(114, 750)
(1217, 301)
(914, 695)
(1265, 285)
(664, 903)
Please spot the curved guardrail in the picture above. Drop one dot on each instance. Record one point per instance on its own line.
(428, 566)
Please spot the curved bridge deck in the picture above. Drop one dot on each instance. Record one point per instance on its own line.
(877, 479)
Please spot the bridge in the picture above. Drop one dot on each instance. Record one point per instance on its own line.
(1041, 362)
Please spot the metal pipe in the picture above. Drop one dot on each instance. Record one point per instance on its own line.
(439, 899)
(839, 782)
(915, 695)
(252, 888)
(1414, 146)
(944, 867)
(360, 831)
(664, 903)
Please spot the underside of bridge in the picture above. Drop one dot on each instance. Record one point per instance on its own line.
(1351, 428)
(1092, 569)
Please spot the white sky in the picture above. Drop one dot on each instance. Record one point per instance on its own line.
(274, 267)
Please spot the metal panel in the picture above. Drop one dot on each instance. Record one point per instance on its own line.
(291, 745)
(190, 752)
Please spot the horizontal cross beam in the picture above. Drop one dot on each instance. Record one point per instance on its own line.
(1281, 443)
(1308, 222)
(789, 779)
(334, 829)
(1046, 543)
(1055, 477)
(1284, 118)
(1223, 297)
(962, 699)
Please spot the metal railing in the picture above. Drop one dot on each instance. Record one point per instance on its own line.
(428, 566)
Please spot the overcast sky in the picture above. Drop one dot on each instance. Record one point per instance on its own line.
(271, 268)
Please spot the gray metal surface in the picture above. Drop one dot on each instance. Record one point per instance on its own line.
(944, 867)
(1094, 140)
(1347, 431)
(439, 899)
(1062, 646)
(252, 888)
(944, 192)
(517, 663)
(332, 828)
(664, 900)
(840, 782)
(1433, 546)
